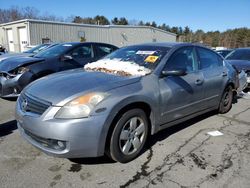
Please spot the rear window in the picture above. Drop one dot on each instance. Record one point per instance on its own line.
(208, 59)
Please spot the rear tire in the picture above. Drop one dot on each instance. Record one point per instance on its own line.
(129, 136)
(226, 100)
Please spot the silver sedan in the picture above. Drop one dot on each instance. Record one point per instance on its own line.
(113, 105)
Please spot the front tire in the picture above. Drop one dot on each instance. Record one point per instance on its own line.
(129, 136)
(226, 100)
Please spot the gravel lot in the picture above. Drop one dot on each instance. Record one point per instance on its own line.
(181, 156)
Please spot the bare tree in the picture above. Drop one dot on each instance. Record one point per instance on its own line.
(15, 13)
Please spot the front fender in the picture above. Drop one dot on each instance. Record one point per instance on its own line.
(25, 79)
(121, 105)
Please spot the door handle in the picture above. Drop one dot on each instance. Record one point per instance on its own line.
(198, 82)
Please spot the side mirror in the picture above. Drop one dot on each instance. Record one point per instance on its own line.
(66, 57)
(177, 72)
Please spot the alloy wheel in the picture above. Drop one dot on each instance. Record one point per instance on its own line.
(132, 135)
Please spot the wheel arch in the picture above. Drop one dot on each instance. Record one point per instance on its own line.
(230, 83)
(121, 108)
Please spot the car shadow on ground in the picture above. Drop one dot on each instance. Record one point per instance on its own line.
(162, 135)
(11, 99)
(93, 160)
(165, 133)
(7, 128)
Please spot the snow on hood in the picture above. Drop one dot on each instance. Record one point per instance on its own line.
(116, 66)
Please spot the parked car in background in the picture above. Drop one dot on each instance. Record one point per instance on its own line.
(240, 58)
(117, 102)
(224, 53)
(28, 53)
(16, 73)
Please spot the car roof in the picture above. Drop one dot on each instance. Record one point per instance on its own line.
(171, 44)
(77, 43)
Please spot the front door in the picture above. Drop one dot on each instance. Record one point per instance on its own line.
(181, 95)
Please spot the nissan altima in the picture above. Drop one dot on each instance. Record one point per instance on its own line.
(114, 104)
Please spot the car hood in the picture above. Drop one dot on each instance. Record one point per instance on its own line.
(240, 64)
(6, 56)
(14, 62)
(62, 87)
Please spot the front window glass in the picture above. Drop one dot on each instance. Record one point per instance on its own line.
(82, 52)
(240, 54)
(184, 58)
(54, 51)
(103, 50)
(130, 61)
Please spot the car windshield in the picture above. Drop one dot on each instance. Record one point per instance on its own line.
(54, 51)
(130, 61)
(37, 48)
(240, 54)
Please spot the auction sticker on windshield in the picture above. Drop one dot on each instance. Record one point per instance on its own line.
(151, 59)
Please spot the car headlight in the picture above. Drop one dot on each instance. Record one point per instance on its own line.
(81, 106)
(22, 70)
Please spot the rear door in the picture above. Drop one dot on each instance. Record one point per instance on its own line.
(215, 75)
(181, 95)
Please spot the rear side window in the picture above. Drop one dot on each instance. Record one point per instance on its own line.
(208, 59)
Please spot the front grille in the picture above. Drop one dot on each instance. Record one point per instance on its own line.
(48, 143)
(34, 105)
(38, 139)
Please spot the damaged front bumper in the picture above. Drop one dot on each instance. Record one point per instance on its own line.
(11, 85)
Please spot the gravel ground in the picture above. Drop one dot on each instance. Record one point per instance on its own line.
(180, 156)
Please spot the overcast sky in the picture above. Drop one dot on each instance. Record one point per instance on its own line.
(209, 15)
